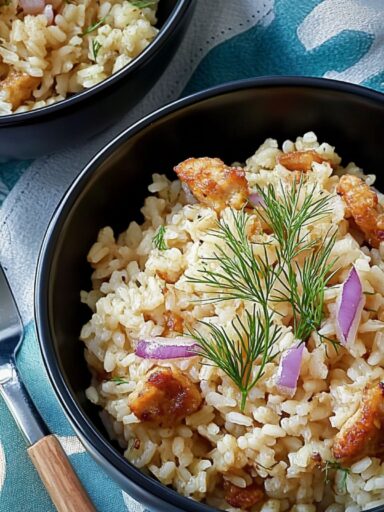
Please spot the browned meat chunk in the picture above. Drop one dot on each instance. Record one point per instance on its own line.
(363, 434)
(300, 160)
(363, 206)
(173, 323)
(19, 87)
(213, 183)
(242, 498)
(168, 397)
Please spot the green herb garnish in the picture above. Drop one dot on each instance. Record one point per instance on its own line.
(95, 26)
(333, 465)
(119, 381)
(95, 48)
(303, 286)
(141, 4)
(254, 338)
(158, 239)
(242, 275)
(287, 219)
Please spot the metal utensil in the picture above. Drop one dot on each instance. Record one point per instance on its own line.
(45, 451)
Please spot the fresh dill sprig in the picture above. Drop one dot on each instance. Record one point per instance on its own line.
(255, 338)
(334, 465)
(141, 4)
(118, 381)
(158, 240)
(95, 26)
(303, 287)
(241, 275)
(336, 344)
(287, 217)
(96, 45)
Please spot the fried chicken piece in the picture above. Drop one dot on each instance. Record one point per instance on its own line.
(242, 498)
(167, 398)
(364, 207)
(363, 434)
(300, 160)
(173, 322)
(213, 183)
(19, 87)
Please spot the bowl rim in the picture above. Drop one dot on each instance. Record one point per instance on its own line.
(178, 12)
(101, 447)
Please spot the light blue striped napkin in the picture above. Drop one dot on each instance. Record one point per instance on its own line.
(227, 40)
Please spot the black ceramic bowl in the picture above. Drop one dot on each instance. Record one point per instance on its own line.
(230, 122)
(77, 118)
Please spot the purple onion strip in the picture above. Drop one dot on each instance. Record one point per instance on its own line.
(349, 308)
(166, 348)
(289, 370)
(256, 199)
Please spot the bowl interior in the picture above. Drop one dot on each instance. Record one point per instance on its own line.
(230, 125)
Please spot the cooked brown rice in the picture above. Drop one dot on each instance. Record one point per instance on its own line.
(68, 56)
(274, 440)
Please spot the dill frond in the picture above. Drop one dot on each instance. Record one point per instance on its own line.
(330, 465)
(118, 381)
(241, 275)
(95, 26)
(96, 45)
(287, 218)
(158, 240)
(254, 340)
(304, 287)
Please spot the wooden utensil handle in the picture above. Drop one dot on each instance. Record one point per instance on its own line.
(58, 476)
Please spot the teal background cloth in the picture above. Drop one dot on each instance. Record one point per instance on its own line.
(341, 39)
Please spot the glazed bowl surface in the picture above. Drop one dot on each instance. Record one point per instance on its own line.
(83, 115)
(229, 122)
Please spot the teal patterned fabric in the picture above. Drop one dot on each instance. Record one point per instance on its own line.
(9, 174)
(276, 49)
(20, 474)
(342, 39)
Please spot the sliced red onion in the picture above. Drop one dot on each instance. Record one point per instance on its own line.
(256, 199)
(289, 370)
(32, 6)
(188, 194)
(349, 307)
(49, 14)
(166, 348)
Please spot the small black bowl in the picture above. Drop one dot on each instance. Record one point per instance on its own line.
(79, 117)
(230, 122)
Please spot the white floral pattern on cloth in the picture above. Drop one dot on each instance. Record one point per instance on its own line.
(332, 17)
(131, 504)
